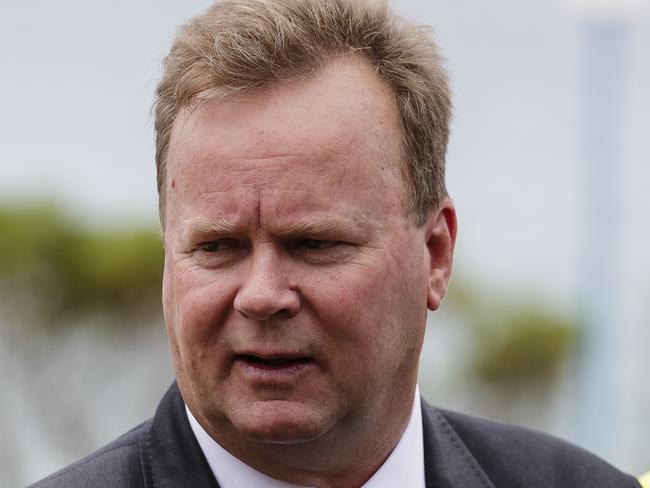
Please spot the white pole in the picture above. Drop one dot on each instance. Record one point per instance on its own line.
(600, 238)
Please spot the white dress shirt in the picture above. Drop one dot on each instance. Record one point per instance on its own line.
(404, 466)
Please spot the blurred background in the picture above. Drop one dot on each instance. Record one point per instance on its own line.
(547, 322)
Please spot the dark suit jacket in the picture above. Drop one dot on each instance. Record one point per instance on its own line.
(459, 451)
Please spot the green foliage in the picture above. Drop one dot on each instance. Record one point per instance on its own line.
(69, 271)
(514, 345)
(524, 347)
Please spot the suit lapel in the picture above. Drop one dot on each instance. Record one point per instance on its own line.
(170, 454)
(447, 461)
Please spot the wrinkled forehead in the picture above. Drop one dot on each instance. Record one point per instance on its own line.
(344, 108)
(335, 137)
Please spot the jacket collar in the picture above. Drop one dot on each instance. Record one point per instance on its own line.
(171, 456)
(447, 461)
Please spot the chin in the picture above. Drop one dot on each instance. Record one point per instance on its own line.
(281, 422)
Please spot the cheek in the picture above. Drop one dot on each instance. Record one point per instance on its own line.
(195, 307)
(379, 309)
(359, 308)
(169, 306)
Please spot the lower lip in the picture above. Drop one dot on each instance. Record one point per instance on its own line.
(274, 372)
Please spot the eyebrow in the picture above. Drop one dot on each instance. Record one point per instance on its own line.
(196, 227)
(206, 226)
(319, 226)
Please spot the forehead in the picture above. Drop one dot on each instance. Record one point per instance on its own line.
(340, 124)
(344, 95)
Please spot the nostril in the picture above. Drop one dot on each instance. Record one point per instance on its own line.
(262, 302)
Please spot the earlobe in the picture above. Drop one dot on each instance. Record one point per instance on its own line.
(441, 239)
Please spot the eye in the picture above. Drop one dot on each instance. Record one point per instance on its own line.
(215, 246)
(318, 243)
(218, 253)
(323, 251)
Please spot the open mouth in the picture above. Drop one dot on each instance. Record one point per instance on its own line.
(277, 364)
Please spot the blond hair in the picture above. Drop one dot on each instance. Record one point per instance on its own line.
(244, 44)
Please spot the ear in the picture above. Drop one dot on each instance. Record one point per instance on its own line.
(440, 238)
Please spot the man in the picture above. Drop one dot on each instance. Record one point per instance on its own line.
(307, 229)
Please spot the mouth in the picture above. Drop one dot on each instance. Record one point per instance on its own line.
(273, 365)
(274, 361)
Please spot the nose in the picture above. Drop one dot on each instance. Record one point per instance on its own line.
(267, 291)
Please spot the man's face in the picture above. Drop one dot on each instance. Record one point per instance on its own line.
(295, 291)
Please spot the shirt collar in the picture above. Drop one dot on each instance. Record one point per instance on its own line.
(403, 467)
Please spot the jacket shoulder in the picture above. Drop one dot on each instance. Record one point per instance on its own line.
(516, 456)
(117, 464)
